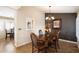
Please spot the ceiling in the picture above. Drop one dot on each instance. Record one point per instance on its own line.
(53, 9)
(14, 7)
(59, 9)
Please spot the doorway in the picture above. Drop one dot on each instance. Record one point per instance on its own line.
(7, 29)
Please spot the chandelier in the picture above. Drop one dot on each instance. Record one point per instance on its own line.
(49, 17)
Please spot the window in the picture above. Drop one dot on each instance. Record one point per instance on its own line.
(6, 24)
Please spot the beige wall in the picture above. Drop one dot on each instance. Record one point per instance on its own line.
(23, 36)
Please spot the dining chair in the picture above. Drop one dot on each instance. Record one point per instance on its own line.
(10, 34)
(40, 33)
(53, 40)
(37, 45)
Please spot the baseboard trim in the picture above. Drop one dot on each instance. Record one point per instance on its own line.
(21, 44)
(59, 39)
(68, 41)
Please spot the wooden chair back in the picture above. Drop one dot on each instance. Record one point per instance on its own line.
(34, 39)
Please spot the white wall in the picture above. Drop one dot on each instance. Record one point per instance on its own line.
(77, 28)
(22, 36)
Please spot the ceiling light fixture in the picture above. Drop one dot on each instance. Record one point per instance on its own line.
(49, 17)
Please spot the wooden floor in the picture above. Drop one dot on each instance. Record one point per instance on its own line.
(7, 46)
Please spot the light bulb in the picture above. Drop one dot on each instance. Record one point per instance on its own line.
(53, 18)
(47, 18)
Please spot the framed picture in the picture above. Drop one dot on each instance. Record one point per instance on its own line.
(56, 24)
(29, 23)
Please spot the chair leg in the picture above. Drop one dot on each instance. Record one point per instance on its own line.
(56, 46)
(6, 36)
(46, 49)
(38, 50)
(56, 50)
(32, 50)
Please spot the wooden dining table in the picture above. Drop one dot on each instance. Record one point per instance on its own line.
(45, 39)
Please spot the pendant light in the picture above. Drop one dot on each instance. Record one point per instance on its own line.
(49, 17)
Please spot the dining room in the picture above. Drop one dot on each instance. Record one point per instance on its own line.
(50, 29)
(37, 29)
(40, 29)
